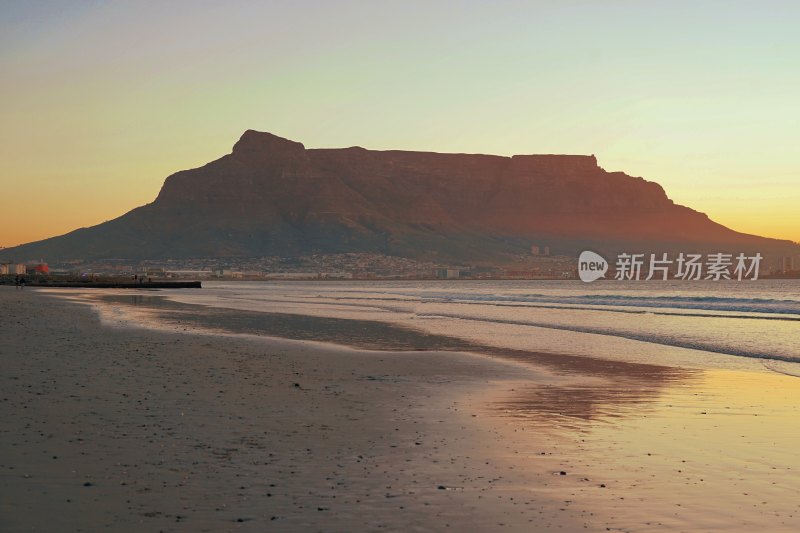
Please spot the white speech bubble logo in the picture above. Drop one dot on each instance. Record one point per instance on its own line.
(591, 266)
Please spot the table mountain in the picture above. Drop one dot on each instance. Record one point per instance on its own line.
(272, 196)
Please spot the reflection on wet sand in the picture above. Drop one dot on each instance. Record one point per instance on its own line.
(620, 390)
(716, 452)
(574, 406)
(649, 447)
(622, 387)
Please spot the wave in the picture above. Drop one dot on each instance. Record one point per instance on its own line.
(708, 303)
(775, 366)
(688, 320)
(557, 303)
(665, 340)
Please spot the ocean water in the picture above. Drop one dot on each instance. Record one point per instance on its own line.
(733, 325)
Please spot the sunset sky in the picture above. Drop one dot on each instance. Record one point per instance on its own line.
(102, 100)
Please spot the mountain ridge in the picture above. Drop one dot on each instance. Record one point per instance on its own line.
(274, 196)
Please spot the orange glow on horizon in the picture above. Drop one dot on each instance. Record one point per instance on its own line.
(102, 101)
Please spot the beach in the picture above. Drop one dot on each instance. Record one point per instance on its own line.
(135, 430)
(111, 424)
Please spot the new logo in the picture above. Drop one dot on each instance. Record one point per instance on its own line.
(591, 266)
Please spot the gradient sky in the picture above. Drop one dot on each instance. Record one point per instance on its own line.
(102, 100)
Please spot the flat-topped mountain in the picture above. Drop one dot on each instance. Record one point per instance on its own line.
(272, 196)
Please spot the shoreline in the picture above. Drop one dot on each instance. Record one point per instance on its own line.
(412, 440)
(177, 431)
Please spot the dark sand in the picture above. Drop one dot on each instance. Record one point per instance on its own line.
(138, 430)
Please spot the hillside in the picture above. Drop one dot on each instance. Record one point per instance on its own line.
(272, 196)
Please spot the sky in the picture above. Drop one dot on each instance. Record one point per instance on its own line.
(101, 100)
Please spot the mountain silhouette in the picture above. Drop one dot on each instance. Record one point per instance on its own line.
(273, 197)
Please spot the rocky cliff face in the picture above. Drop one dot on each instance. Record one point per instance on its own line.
(272, 196)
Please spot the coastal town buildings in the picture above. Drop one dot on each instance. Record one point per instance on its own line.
(12, 269)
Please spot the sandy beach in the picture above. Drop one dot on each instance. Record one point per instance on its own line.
(136, 429)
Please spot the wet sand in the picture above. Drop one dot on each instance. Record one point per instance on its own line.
(136, 429)
(132, 430)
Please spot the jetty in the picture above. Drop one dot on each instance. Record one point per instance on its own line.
(117, 285)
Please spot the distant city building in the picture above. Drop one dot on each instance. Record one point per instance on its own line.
(790, 263)
(37, 268)
(228, 273)
(12, 269)
(188, 273)
(539, 250)
(447, 273)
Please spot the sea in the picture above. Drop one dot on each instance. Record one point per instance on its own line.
(727, 324)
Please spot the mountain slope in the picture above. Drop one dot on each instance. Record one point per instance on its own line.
(272, 196)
